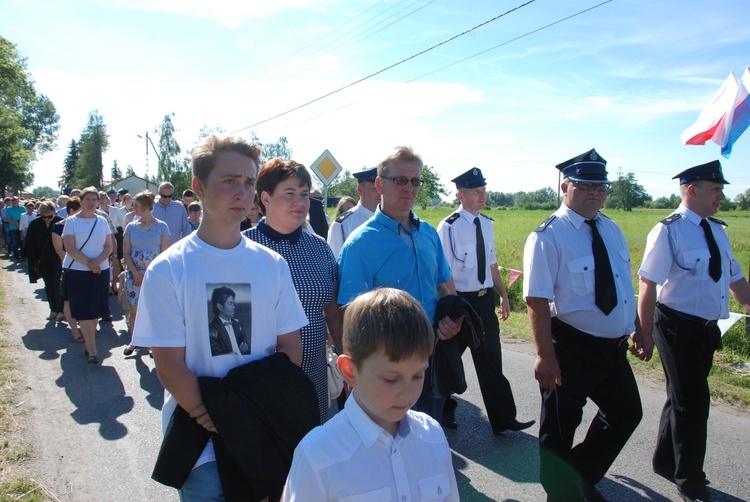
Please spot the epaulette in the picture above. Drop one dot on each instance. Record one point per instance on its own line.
(344, 215)
(484, 215)
(450, 219)
(602, 214)
(671, 219)
(717, 220)
(543, 225)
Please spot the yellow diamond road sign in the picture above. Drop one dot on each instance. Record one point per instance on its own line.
(326, 168)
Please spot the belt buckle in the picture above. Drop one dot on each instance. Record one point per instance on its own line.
(482, 292)
(710, 324)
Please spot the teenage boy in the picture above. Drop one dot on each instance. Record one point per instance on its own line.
(174, 312)
(377, 448)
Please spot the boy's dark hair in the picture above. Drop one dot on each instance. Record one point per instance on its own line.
(220, 295)
(194, 207)
(388, 319)
(204, 155)
(73, 204)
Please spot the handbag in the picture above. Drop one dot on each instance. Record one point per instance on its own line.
(335, 380)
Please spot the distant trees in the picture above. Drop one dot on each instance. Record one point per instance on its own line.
(544, 198)
(626, 193)
(28, 120)
(169, 150)
(45, 191)
(93, 143)
(432, 189)
(116, 173)
(69, 167)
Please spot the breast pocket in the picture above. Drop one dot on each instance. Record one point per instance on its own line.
(696, 260)
(467, 257)
(381, 495)
(434, 488)
(582, 275)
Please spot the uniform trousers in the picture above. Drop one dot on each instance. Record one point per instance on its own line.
(591, 368)
(687, 350)
(488, 363)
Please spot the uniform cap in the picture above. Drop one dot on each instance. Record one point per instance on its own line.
(470, 179)
(366, 175)
(588, 167)
(710, 171)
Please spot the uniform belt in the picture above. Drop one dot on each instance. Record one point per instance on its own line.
(709, 323)
(477, 294)
(565, 328)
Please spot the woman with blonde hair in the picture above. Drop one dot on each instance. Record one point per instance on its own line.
(144, 239)
(346, 203)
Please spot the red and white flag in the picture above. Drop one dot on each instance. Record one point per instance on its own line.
(715, 121)
(514, 274)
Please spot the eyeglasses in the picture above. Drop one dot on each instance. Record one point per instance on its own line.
(591, 187)
(48, 217)
(165, 196)
(403, 180)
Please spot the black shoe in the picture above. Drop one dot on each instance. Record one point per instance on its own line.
(700, 495)
(128, 350)
(592, 494)
(93, 360)
(514, 425)
(107, 318)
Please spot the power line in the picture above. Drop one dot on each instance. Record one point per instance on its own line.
(389, 67)
(511, 40)
(282, 70)
(342, 46)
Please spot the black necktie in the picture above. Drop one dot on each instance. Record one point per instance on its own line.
(481, 260)
(714, 263)
(604, 281)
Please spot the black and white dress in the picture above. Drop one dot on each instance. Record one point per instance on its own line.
(314, 272)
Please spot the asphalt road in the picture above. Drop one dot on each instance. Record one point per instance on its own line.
(95, 430)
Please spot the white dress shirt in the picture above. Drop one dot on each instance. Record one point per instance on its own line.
(558, 265)
(350, 458)
(345, 224)
(676, 259)
(459, 240)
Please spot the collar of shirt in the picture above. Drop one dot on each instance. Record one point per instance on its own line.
(362, 209)
(394, 225)
(689, 215)
(275, 236)
(367, 430)
(466, 214)
(575, 219)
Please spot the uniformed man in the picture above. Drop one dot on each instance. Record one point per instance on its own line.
(369, 198)
(582, 309)
(687, 272)
(468, 240)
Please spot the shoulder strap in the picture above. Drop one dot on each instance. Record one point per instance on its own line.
(717, 220)
(543, 225)
(85, 242)
(671, 218)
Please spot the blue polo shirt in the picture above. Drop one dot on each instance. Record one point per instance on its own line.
(382, 253)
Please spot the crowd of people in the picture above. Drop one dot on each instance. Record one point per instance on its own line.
(236, 288)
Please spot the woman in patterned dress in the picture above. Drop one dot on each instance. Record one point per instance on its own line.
(283, 189)
(143, 240)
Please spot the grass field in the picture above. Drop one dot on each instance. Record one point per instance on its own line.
(512, 227)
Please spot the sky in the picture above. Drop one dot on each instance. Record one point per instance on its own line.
(539, 83)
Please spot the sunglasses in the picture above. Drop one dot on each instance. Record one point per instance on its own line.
(403, 180)
(48, 217)
(166, 196)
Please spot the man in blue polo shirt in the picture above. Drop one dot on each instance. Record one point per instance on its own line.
(172, 213)
(395, 249)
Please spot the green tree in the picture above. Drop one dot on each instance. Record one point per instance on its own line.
(342, 185)
(169, 150)
(45, 191)
(69, 167)
(28, 120)
(626, 193)
(182, 177)
(116, 173)
(743, 200)
(93, 143)
(432, 189)
(280, 149)
(671, 202)
(129, 171)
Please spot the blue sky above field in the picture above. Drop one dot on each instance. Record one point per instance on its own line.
(626, 77)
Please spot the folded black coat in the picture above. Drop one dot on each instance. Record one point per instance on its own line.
(261, 410)
(447, 369)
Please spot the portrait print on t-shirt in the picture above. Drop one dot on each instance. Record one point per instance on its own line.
(230, 311)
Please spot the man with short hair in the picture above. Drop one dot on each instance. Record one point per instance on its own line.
(172, 213)
(468, 239)
(396, 249)
(687, 270)
(581, 304)
(174, 320)
(369, 198)
(113, 197)
(188, 197)
(194, 215)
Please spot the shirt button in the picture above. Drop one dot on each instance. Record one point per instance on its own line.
(617, 275)
(403, 498)
(585, 268)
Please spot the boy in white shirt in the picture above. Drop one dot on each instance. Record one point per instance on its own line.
(377, 448)
(173, 308)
